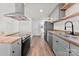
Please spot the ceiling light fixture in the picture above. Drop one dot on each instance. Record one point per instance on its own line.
(41, 10)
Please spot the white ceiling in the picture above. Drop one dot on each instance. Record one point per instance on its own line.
(32, 10)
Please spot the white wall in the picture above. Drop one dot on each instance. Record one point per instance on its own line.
(75, 20)
(25, 26)
(33, 11)
(7, 25)
(36, 27)
(12, 26)
(6, 8)
(55, 14)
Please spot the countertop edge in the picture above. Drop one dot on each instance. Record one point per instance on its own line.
(75, 43)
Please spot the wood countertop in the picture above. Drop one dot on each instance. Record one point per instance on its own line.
(9, 39)
(18, 34)
(71, 39)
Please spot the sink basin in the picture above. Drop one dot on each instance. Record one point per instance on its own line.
(64, 34)
(68, 35)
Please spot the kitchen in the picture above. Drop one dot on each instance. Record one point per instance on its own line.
(39, 29)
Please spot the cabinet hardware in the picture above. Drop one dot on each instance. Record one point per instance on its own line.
(18, 43)
(69, 51)
(57, 41)
(13, 51)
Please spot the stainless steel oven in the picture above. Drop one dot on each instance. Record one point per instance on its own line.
(25, 44)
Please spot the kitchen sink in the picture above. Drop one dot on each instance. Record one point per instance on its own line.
(66, 35)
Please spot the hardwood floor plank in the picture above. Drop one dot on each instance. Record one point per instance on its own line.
(39, 47)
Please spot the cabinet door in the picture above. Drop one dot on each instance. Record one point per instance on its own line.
(73, 53)
(60, 47)
(4, 49)
(55, 45)
(50, 39)
(74, 50)
(63, 47)
(16, 48)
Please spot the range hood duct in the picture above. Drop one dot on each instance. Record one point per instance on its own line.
(19, 12)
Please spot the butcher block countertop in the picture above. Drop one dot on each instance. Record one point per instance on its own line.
(18, 34)
(8, 39)
(67, 37)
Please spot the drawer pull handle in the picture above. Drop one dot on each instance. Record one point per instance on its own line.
(18, 43)
(57, 41)
(13, 51)
(69, 51)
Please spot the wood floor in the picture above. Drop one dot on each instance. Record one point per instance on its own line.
(39, 47)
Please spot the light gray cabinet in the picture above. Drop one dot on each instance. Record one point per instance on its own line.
(50, 39)
(60, 47)
(11, 49)
(74, 50)
(55, 45)
(16, 48)
(63, 47)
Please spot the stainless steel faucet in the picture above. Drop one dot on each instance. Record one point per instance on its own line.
(72, 27)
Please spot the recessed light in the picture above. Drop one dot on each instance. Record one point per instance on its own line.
(41, 10)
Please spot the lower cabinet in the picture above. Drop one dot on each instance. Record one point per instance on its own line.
(55, 45)
(60, 47)
(16, 48)
(13, 49)
(50, 39)
(74, 50)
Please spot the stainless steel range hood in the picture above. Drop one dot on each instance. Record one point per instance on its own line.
(19, 12)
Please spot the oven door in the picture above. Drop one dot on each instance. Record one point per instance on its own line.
(25, 46)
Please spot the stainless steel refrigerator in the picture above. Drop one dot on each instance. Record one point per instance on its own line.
(47, 26)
